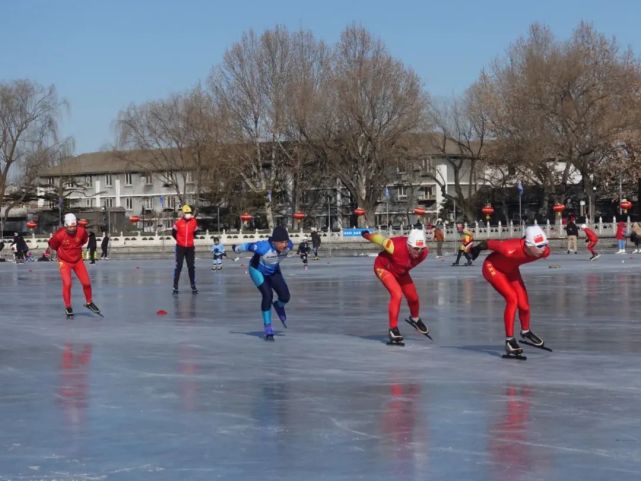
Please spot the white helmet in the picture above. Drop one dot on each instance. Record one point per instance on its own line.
(534, 236)
(584, 226)
(70, 219)
(416, 239)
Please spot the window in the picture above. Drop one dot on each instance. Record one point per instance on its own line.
(149, 179)
(190, 177)
(89, 202)
(129, 178)
(109, 202)
(149, 203)
(401, 192)
(88, 180)
(50, 181)
(68, 182)
(129, 203)
(428, 165)
(108, 180)
(426, 192)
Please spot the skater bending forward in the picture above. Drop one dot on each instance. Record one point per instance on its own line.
(392, 266)
(501, 269)
(67, 242)
(264, 270)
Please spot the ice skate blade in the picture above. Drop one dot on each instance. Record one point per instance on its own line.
(395, 343)
(544, 347)
(269, 337)
(426, 334)
(519, 357)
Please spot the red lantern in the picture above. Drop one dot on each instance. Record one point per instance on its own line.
(134, 218)
(246, 217)
(83, 222)
(558, 208)
(359, 212)
(419, 211)
(32, 224)
(626, 205)
(488, 210)
(298, 215)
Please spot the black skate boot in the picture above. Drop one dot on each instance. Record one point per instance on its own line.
(69, 312)
(175, 290)
(531, 339)
(395, 338)
(194, 290)
(269, 332)
(419, 325)
(93, 308)
(513, 350)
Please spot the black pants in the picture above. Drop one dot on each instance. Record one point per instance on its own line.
(92, 255)
(188, 254)
(463, 253)
(266, 284)
(104, 253)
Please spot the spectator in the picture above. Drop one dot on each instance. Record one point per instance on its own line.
(572, 232)
(91, 247)
(316, 242)
(620, 236)
(635, 237)
(439, 237)
(104, 247)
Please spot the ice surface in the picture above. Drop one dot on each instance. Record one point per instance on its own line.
(198, 395)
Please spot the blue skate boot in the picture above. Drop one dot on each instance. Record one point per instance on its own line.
(269, 332)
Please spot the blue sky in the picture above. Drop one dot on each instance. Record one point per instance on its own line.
(104, 55)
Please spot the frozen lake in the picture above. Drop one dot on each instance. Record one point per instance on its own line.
(198, 395)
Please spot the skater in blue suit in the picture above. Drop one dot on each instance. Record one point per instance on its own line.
(264, 269)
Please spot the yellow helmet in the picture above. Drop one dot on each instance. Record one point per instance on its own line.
(186, 209)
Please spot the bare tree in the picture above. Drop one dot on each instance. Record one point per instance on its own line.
(460, 137)
(370, 102)
(173, 138)
(563, 107)
(28, 121)
(251, 88)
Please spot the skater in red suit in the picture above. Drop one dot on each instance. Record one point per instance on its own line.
(501, 269)
(400, 255)
(68, 242)
(592, 239)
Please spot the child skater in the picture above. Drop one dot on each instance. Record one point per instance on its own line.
(218, 252)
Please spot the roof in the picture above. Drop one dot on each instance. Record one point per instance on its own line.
(101, 163)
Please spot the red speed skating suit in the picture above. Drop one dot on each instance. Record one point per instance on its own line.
(392, 267)
(69, 248)
(501, 269)
(592, 239)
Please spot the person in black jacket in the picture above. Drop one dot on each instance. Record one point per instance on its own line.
(573, 232)
(92, 246)
(104, 246)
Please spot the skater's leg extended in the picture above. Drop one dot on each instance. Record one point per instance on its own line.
(409, 291)
(503, 286)
(180, 257)
(83, 276)
(522, 303)
(190, 255)
(396, 294)
(278, 284)
(65, 276)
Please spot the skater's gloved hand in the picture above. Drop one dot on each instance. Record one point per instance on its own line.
(476, 250)
(365, 234)
(236, 259)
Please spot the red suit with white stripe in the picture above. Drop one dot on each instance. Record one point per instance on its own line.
(501, 269)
